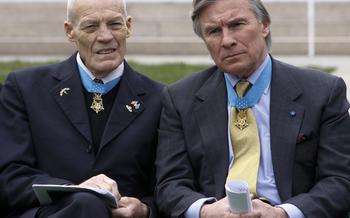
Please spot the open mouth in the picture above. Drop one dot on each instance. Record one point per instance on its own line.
(106, 51)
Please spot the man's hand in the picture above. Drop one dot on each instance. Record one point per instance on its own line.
(104, 182)
(267, 211)
(130, 207)
(221, 209)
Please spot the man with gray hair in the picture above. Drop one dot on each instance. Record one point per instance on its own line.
(281, 131)
(89, 121)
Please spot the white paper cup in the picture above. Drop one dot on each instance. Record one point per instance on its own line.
(238, 195)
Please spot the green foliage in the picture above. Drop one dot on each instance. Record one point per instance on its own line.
(10, 66)
(2, 77)
(327, 69)
(165, 73)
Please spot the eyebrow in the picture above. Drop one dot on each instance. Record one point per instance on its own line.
(117, 18)
(234, 20)
(237, 20)
(93, 21)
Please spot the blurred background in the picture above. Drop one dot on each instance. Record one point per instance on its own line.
(310, 33)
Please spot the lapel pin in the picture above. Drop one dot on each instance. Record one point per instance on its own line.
(292, 113)
(136, 104)
(133, 105)
(64, 91)
(129, 108)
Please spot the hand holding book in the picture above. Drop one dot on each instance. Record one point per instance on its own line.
(46, 193)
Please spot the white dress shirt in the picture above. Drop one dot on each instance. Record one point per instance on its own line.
(118, 72)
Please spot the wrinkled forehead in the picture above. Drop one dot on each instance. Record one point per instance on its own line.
(98, 10)
(98, 6)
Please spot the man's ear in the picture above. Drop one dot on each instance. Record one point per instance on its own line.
(128, 25)
(265, 28)
(68, 28)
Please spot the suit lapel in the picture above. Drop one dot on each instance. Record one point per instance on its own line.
(285, 121)
(211, 115)
(120, 116)
(68, 93)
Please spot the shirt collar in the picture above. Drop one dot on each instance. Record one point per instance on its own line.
(252, 78)
(118, 72)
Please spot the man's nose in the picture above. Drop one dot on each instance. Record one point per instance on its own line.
(104, 34)
(228, 38)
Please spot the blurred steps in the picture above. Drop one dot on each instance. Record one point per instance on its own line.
(166, 28)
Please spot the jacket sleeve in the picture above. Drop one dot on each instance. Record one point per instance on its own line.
(329, 197)
(18, 163)
(176, 189)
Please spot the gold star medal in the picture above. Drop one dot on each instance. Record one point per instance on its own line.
(241, 121)
(97, 103)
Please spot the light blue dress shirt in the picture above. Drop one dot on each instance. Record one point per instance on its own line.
(115, 74)
(266, 185)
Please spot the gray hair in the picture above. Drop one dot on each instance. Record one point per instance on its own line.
(257, 7)
(71, 14)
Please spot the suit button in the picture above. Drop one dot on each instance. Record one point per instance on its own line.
(89, 149)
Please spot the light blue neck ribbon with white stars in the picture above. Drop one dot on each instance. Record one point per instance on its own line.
(254, 94)
(94, 87)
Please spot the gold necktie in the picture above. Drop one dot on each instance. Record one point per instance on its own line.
(245, 142)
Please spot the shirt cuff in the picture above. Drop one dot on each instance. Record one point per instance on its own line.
(291, 210)
(195, 208)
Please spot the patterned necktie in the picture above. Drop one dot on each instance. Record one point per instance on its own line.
(97, 101)
(245, 142)
(97, 85)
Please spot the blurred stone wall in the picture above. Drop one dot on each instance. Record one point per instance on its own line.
(166, 28)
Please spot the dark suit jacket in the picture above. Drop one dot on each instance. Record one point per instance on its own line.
(310, 151)
(46, 137)
(3, 202)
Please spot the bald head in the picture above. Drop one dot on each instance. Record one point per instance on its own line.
(71, 15)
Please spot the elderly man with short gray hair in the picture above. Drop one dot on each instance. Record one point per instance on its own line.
(89, 121)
